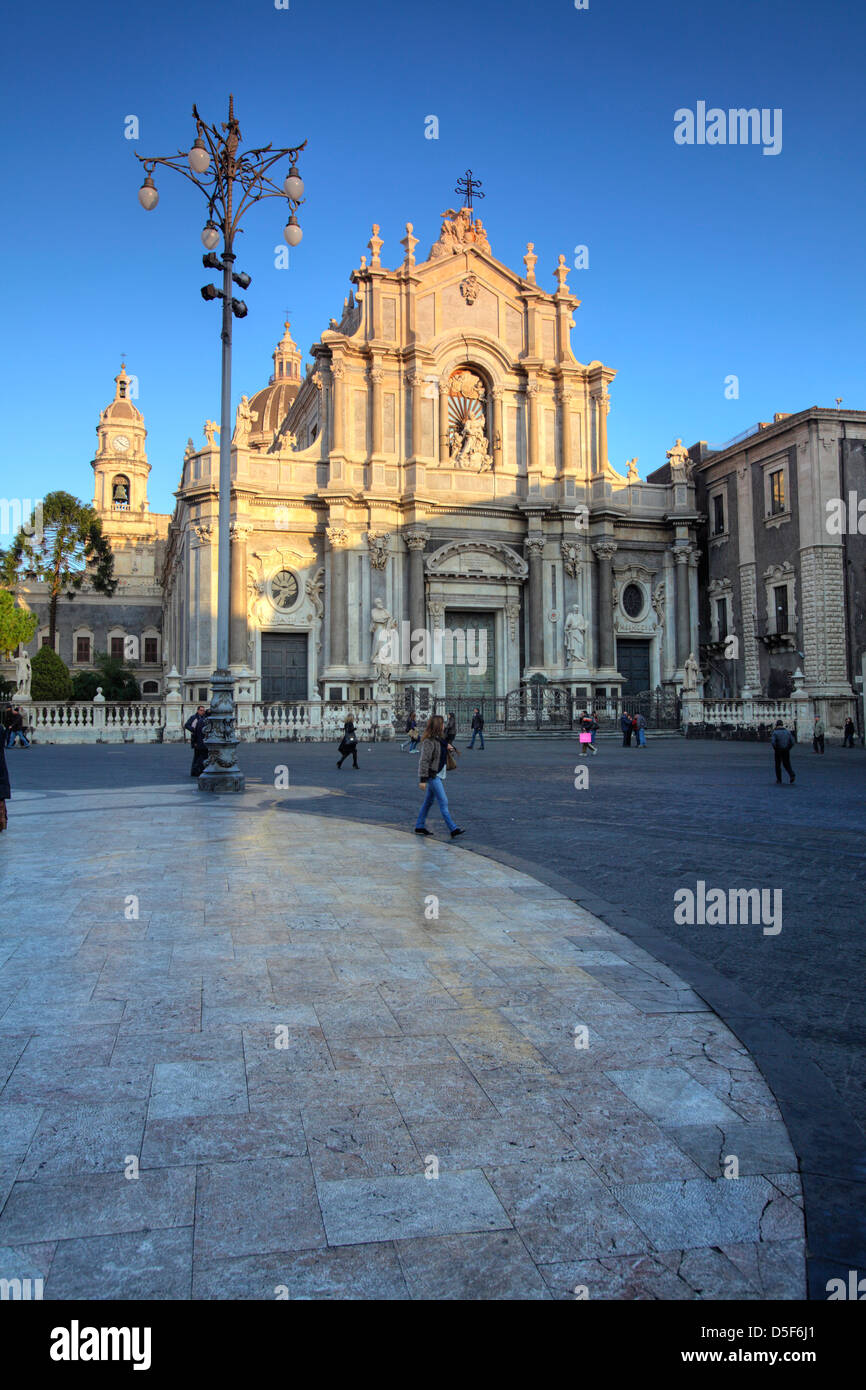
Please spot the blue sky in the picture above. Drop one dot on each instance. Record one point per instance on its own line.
(704, 261)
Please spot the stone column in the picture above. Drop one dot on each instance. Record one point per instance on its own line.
(416, 541)
(376, 376)
(535, 549)
(604, 552)
(415, 381)
(565, 399)
(443, 419)
(532, 391)
(338, 596)
(238, 624)
(497, 426)
(338, 371)
(681, 559)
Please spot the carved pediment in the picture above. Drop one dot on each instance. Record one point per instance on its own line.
(476, 560)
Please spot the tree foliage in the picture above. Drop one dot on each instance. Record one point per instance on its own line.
(116, 681)
(17, 625)
(50, 676)
(62, 548)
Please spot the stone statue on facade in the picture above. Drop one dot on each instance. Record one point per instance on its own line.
(472, 451)
(459, 232)
(244, 421)
(210, 429)
(23, 676)
(633, 475)
(382, 625)
(681, 464)
(575, 635)
(691, 675)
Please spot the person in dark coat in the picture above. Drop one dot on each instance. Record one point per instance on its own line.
(783, 741)
(451, 727)
(5, 791)
(848, 733)
(348, 744)
(625, 725)
(16, 729)
(196, 728)
(477, 727)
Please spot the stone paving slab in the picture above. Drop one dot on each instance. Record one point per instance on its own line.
(289, 1050)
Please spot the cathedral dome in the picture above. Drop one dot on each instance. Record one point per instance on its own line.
(271, 405)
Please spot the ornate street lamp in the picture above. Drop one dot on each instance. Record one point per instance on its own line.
(231, 180)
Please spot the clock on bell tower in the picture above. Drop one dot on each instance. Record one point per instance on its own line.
(120, 466)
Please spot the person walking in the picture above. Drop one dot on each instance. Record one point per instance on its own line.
(348, 744)
(5, 792)
(434, 756)
(196, 727)
(625, 725)
(641, 731)
(588, 725)
(477, 727)
(782, 741)
(412, 730)
(16, 729)
(818, 735)
(848, 733)
(451, 727)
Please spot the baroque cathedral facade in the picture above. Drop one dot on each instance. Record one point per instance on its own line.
(441, 463)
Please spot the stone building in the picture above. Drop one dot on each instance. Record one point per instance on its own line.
(441, 464)
(782, 578)
(129, 624)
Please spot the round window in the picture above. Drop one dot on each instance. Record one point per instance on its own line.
(284, 589)
(632, 600)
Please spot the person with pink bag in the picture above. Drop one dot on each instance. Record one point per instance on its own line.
(587, 726)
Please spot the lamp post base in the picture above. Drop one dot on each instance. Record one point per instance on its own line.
(222, 773)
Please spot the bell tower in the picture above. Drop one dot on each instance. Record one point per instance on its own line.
(120, 465)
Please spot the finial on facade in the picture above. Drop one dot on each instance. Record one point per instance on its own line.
(561, 274)
(375, 244)
(529, 261)
(409, 242)
(363, 262)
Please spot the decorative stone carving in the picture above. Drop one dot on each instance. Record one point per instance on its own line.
(416, 540)
(189, 450)
(512, 613)
(469, 288)
(240, 531)
(436, 609)
(210, 429)
(382, 624)
(561, 274)
(378, 545)
(471, 449)
(605, 549)
(575, 635)
(338, 371)
(458, 232)
(409, 242)
(633, 475)
(475, 559)
(534, 545)
(314, 588)
(658, 602)
(337, 537)
(203, 531)
(375, 245)
(376, 375)
(570, 558)
(529, 260)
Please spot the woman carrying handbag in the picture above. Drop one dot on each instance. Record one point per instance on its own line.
(348, 744)
(434, 756)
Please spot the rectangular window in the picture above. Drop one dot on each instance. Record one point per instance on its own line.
(46, 640)
(82, 649)
(780, 605)
(117, 648)
(777, 492)
(151, 650)
(722, 618)
(553, 584)
(719, 514)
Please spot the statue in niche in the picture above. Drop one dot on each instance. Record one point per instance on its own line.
(472, 448)
(691, 675)
(575, 635)
(382, 625)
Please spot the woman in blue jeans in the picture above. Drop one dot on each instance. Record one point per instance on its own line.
(434, 756)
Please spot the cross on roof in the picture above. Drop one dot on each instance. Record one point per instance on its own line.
(469, 187)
